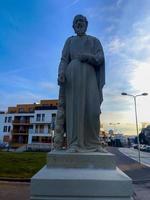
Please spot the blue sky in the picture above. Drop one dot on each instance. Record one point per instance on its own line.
(32, 35)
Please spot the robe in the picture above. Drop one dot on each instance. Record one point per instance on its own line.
(83, 90)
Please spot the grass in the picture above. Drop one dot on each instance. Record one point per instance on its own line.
(21, 165)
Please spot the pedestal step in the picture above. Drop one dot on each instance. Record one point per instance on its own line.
(80, 184)
(94, 160)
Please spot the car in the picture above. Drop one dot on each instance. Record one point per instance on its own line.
(4, 145)
(135, 146)
(143, 147)
(147, 149)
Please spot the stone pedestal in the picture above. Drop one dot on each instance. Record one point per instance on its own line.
(80, 176)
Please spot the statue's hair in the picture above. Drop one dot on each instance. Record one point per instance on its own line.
(80, 17)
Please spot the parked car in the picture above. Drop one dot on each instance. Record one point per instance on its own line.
(135, 146)
(4, 145)
(143, 147)
(147, 149)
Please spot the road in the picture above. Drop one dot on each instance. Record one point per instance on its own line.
(138, 172)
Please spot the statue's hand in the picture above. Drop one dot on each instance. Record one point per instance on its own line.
(83, 57)
(61, 78)
(88, 58)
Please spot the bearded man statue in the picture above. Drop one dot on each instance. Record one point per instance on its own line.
(81, 77)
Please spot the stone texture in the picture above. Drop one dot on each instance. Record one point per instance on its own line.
(81, 77)
(63, 181)
(61, 159)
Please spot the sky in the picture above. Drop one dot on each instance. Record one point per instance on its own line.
(32, 35)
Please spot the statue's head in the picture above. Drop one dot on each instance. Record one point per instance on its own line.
(80, 25)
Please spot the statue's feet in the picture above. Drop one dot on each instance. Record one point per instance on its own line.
(76, 149)
(101, 149)
(71, 150)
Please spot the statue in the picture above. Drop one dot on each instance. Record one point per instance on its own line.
(81, 77)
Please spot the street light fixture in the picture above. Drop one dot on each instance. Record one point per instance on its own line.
(114, 124)
(115, 130)
(137, 130)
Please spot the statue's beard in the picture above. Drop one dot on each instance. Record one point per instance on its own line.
(80, 30)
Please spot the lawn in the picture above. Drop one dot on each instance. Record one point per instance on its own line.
(21, 165)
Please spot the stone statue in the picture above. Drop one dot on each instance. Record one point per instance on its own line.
(81, 77)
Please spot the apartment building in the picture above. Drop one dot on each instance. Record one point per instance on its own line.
(1, 125)
(29, 123)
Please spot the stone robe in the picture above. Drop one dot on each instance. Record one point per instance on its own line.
(82, 91)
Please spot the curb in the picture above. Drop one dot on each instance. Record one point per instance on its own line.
(28, 180)
(140, 181)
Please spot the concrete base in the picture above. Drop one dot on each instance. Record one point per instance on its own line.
(93, 160)
(80, 183)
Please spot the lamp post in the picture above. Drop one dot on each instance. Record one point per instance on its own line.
(136, 120)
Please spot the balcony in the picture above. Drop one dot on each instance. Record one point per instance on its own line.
(19, 133)
(21, 122)
(34, 121)
(43, 132)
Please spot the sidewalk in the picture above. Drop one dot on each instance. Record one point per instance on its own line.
(14, 190)
(133, 153)
(18, 190)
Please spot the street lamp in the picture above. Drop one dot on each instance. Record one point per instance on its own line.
(137, 130)
(115, 130)
(114, 124)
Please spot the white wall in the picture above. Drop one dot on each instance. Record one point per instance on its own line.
(1, 126)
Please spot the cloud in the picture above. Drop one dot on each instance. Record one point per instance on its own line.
(140, 75)
(109, 29)
(73, 3)
(115, 45)
(114, 101)
(24, 90)
(124, 127)
(128, 58)
(117, 117)
(48, 85)
(17, 82)
(20, 97)
(91, 12)
(119, 3)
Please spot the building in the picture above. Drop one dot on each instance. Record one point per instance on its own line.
(1, 125)
(29, 123)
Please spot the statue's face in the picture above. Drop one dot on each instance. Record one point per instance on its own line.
(80, 26)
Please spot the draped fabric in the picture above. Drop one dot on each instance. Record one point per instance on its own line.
(83, 90)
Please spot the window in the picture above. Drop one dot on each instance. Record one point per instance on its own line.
(53, 121)
(9, 119)
(36, 129)
(43, 117)
(5, 129)
(45, 139)
(49, 128)
(53, 114)
(31, 110)
(22, 129)
(38, 117)
(21, 110)
(53, 117)
(9, 128)
(5, 119)
(41, 128)
(35, 139)
(22, 119)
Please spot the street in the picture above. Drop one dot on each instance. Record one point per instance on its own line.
(138, 172)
